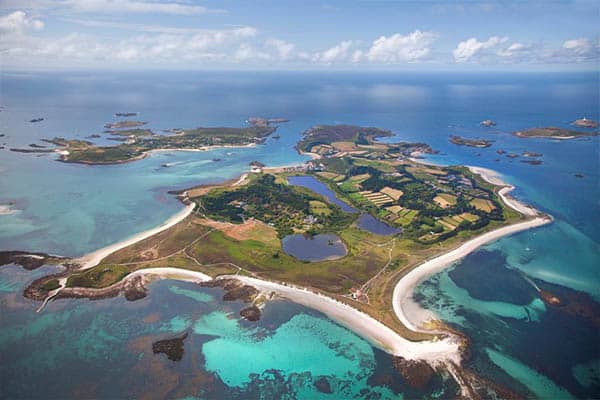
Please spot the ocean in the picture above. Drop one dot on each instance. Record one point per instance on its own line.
(103, 348)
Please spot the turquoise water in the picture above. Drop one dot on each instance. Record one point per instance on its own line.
(103, 345)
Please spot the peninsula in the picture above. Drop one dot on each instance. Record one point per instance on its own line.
(380, 223)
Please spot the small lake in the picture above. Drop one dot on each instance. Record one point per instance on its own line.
(319, 187)
(371, 224)
(315, 248)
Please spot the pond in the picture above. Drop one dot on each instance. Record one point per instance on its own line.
(371, 224)
(316, 248)
(316, 186)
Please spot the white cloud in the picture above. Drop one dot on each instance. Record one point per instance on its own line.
(18, 22)
(578, 47)
(284, 50)
(471, 48)
(398, 48)
(134, 6)
(335, 54)
(515, 49)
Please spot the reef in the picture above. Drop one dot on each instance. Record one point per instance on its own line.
(172, 348)
(416, 373)
(251, 313)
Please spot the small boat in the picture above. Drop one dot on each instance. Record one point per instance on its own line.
(217, 159)
(275, 136)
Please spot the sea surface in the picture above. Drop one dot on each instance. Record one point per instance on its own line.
(103, 348)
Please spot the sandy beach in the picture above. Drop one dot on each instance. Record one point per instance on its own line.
(410, 313)
(92, 259)
(434, 352)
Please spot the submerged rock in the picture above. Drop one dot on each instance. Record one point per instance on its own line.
(322, 384)
(251, 313)
(172, 348)
(416, 373)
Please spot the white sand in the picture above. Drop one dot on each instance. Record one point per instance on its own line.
(364, 325)
(92, 259)
(411, 313)
(173, 273)
(7, 210)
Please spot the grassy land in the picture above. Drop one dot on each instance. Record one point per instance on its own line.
(145, 140)
(238, 229)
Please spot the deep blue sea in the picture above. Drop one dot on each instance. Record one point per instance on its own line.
(103, 349)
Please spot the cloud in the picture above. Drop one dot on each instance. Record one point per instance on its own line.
(18, 22)
(471, 48)
(398, 48)
(64, 7)
(336, 54)
(284, 50)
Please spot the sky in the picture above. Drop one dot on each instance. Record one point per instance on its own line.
(300, 35)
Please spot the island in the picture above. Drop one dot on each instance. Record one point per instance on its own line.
(552, 132)
(349, 233)
(585, 123)
(124, 124)
(137, 143)
(461, 141)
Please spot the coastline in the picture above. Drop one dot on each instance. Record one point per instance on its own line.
(92, 259)
(435, 352)
(409, 312)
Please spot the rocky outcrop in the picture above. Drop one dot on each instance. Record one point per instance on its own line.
(416, 373)
(172, 348)
(251, 313)
(28, 260)
(234, 290)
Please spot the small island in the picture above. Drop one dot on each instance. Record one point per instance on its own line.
(552, 132)
(124, 124)
(585, 123)
(461, 141)
(487, 123)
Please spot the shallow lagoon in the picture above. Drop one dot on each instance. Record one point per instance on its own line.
(314, 248)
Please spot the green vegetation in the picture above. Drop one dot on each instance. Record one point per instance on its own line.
(50, 285)
(237, 229)
(145, 140)
(327, 134)
(285, 207)
(461, 141)
(552, 131)
(98, 277)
